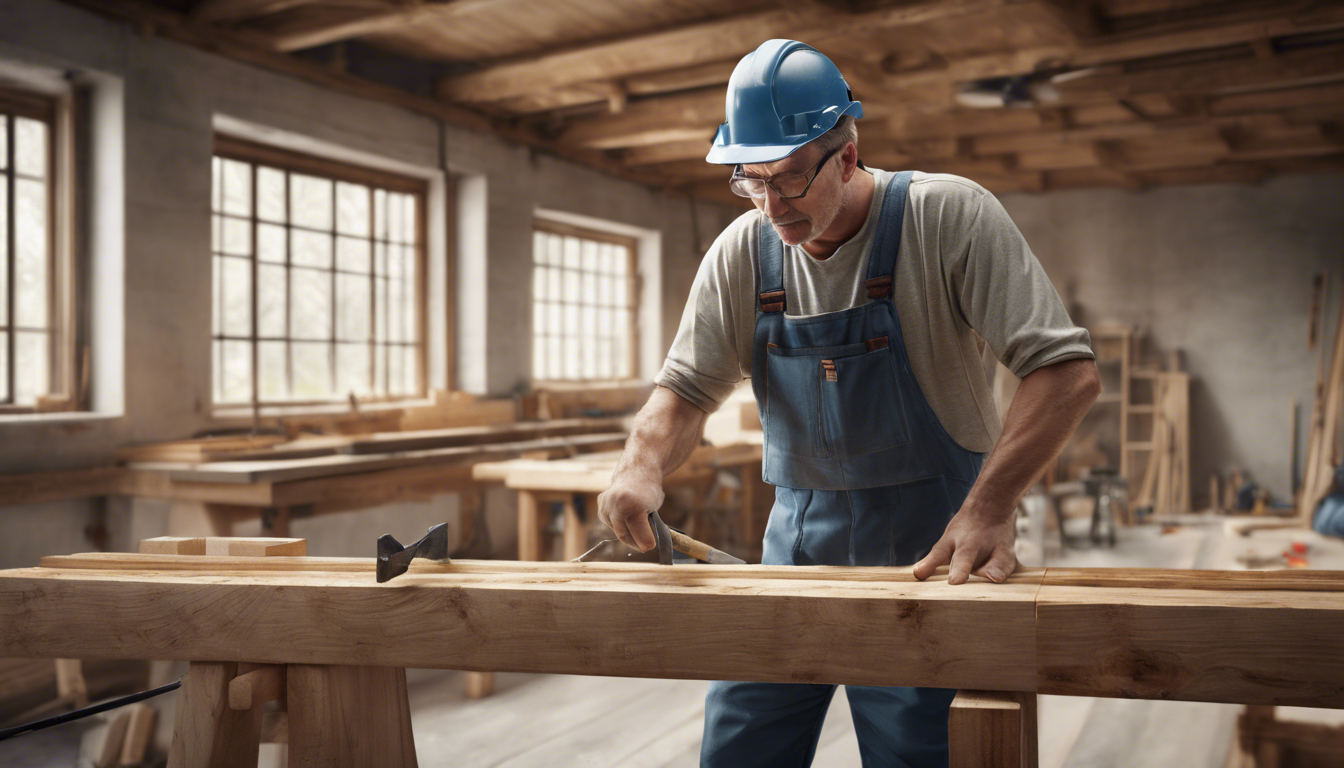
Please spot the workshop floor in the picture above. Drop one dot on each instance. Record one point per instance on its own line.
(553, 721)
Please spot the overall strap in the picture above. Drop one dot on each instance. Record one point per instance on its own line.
(772, 268)
(887, 238)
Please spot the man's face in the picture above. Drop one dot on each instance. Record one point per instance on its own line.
(801, 219)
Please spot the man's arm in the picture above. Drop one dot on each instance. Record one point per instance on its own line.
(1048, 406)
(666, 430)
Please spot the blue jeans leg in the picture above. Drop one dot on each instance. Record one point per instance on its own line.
(901, 727)
(771, 725)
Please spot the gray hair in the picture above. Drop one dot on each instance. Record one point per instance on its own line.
(845, 130)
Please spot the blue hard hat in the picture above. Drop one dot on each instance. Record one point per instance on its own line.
(781, 96)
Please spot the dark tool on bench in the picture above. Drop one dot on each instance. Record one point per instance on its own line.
(668, 540)
(394, 559)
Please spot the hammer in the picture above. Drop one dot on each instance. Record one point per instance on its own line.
(668, 540)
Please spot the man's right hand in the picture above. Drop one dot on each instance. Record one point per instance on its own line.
(626, 505)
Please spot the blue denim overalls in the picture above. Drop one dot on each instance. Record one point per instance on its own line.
(865, 475)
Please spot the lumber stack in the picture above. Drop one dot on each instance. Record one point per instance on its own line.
(1166, 480)
(1241, 637)
(1327, 419)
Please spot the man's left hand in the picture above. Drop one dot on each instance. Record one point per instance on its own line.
(973, 544)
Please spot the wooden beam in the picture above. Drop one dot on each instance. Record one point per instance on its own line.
(332, 25)
(1253, 638)
(255, 50)
(612, 619)
(691, 45)
(59, 485)
(257, 687)
(986, 729)
(1290, 68)
(1206, 31)
(683, 117)
(218, 11)
(666, 153)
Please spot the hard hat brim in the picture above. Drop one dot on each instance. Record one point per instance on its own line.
(739, 154)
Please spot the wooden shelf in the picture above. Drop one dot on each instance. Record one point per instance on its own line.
(1109, 397)
(1146, 445)
(1141, 408)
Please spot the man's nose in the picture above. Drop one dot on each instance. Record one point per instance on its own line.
(774, 204)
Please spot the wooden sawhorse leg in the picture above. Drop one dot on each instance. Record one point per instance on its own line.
(339, 716)
(992, 729)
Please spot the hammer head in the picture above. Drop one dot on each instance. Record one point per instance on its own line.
(394, 559)
(613, 551)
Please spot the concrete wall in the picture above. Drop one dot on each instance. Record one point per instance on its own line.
(171, 98)
(1220, 272)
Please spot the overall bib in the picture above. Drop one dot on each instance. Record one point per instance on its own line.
(865, 474)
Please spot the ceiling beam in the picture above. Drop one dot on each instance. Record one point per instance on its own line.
(247, 48)
(333, 25)
(695, 149)
(681, 117)
(1213, 30)
(684, 46)
(227, 11)
(1290, 68)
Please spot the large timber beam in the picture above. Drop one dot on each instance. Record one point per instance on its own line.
(1238, 637)
(632, 620)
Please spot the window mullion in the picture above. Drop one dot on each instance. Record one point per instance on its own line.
(11, 241)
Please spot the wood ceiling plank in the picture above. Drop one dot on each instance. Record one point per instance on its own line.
(1291, 68)
(1213, 30)
(687, 46)
(665, 153)
(682, 117)
(220, 11)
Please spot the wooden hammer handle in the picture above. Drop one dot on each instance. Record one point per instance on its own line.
(688, 546)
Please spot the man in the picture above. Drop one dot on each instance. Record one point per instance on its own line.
(852, 298)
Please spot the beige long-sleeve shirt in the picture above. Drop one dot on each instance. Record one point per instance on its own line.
(963, 268)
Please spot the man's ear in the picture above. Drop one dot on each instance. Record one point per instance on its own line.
(849, 159)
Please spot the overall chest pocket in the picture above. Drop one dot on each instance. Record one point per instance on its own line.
(841, 401)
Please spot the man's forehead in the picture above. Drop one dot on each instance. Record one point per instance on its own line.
(796, 163)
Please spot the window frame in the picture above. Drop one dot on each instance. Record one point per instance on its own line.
(290, 161)
(67, 386)
(632, 291)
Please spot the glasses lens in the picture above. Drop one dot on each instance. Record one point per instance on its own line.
(744, 187)
(790, 185)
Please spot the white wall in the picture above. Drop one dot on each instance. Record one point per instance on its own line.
(170, 98)
(1221, 272)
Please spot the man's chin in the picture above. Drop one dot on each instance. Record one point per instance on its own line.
(794, 233)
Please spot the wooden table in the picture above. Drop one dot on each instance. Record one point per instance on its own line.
(575, 483)
(335, 635)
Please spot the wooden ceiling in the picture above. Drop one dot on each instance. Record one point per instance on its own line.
(1110, 93)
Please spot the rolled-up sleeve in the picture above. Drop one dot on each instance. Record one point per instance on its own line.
(1004, 294)
(711, 353)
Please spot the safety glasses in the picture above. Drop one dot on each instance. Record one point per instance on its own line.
(789, 186)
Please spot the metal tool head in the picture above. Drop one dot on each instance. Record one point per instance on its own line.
(394, 559)
(613, 551)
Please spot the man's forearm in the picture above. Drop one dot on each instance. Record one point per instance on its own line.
(1048, 406)
(665, 432)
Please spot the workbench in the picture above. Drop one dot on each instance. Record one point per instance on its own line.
(318, 475)
(574, 484)
(336, 643)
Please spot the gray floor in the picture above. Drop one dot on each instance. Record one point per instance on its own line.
(560, 720)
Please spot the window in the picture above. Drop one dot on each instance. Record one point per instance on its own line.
(318, 287)
(31, 345)
(583, 304)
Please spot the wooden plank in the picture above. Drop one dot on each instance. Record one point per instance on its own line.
(233, 546)
(172, 545)
(984, 730)
(40, 487)
(139, 733)
(206, 732)
(385, 442)
(1173, 641)
(349, 716)
(254, 472)
(615, 621)
(257, 687)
